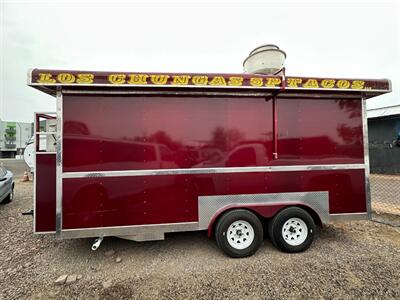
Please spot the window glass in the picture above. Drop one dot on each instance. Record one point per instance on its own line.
(191, 132)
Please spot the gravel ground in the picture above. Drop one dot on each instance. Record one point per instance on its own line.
(346, 261)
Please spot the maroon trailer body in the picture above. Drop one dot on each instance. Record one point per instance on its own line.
(141, 155)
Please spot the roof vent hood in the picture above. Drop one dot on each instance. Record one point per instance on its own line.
(266, 59)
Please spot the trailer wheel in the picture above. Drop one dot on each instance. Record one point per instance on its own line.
(239, 233)
(292, 230)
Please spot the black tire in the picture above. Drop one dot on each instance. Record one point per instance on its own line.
(10, 197)
(285, 243)
(252, 226)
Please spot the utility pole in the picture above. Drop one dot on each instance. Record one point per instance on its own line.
(20, 137)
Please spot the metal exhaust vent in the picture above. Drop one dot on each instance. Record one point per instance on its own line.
(266, 59)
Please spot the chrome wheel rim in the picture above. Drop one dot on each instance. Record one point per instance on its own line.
(294, 231)
(240, 234)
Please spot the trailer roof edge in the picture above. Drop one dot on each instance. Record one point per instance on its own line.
(49, 81)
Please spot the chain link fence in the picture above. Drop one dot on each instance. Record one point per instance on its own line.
(385, 198)
(384, 154)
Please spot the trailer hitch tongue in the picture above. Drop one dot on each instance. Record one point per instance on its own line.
(97, 243)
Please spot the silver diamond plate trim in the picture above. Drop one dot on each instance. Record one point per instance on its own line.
(95, 175)
(209, 206)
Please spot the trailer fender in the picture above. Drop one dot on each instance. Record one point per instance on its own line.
(262, 211)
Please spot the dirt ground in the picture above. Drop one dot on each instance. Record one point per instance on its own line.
(346, 261)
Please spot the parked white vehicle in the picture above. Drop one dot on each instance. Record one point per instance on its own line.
(6, 185)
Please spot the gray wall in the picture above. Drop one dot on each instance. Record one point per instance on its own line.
(383, 151)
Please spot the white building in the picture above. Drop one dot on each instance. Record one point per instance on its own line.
(13, 137)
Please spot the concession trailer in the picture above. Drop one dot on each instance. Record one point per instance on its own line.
(138, 155)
